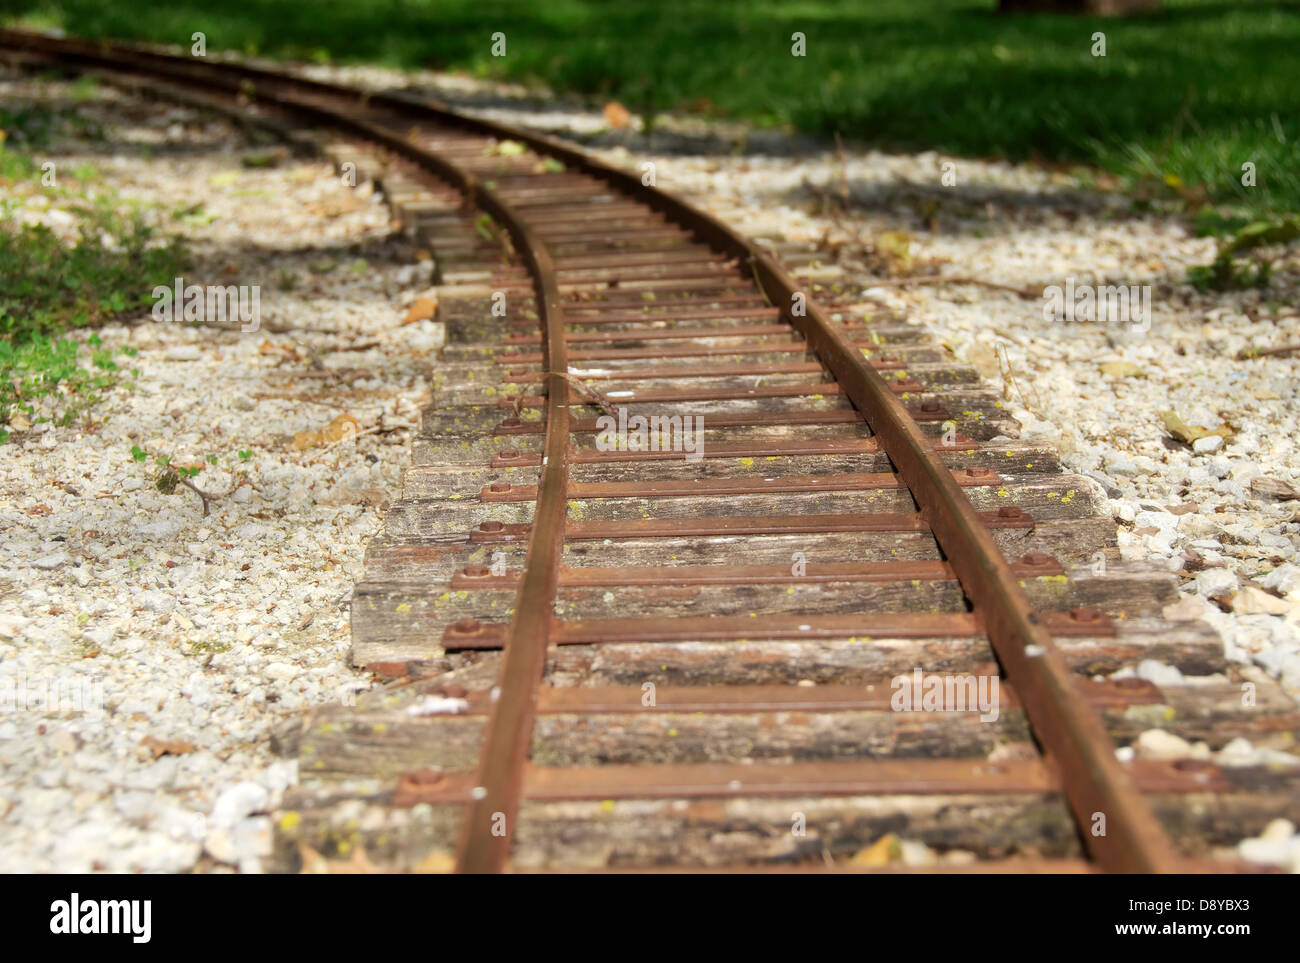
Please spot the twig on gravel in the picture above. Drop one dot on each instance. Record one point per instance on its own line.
(363, 346)
(350, 436)
(1009, 381)
(205, 496)
(1247, 353)
(1027, 293)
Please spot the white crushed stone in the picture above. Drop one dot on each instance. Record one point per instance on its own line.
(435, 705)
(1003, 222)
(197, 635)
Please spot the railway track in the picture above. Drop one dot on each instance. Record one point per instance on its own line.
(702, 564)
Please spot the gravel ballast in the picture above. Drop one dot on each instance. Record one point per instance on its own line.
(200, 633)
(190, 637)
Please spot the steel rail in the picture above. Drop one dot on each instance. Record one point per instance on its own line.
(483, 846)
(495, 800)
(1071, 736)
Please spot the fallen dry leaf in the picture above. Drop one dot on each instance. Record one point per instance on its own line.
(1274, 488)
(279, 347)
(1190, 433)
(340, 428)
(1255, 601)
(896, 248)
(422, 309)
(343, 426)
(616, 115)
(166, 747)
(313, 863)
(882, 852)
(1122, 369)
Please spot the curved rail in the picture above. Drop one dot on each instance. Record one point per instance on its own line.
(1068, 731)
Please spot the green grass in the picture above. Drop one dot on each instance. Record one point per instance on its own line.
(48, 372)
(49, 286)
(1194, 90)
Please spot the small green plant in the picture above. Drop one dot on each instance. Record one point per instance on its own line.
(1230, 270)
(486, 227)
(285, 279)
(48, 372)
(15, 166)
(167, 477)
(193, 215)
(47, 286)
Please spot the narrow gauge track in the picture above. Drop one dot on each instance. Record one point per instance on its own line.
(818, 445)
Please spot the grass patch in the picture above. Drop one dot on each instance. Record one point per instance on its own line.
(1194, 90)
(50, 286)
(47, 286)
(52, 374)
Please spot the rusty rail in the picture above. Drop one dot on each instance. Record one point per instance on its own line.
(1069, 732)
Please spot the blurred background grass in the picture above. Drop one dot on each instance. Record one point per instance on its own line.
(1184, 96)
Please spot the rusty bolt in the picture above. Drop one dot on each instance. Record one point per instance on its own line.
(1008, 511)
(1085, 615)
(509, 454)
(930, 405)
(979, 472)
(455, 691)
(511, 421)
(1035, 558)
(467, 626)
(475, 571)
(500, 487)
(491, 527)
(909, 385)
